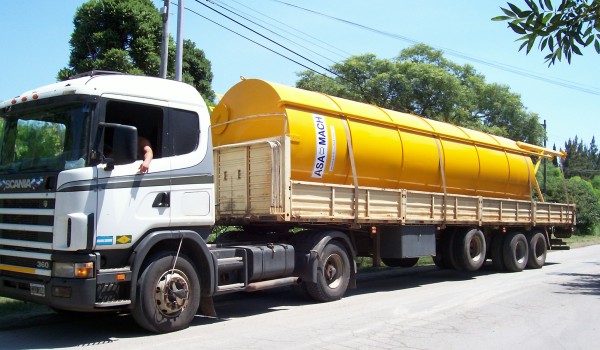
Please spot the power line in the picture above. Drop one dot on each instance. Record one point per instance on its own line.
(358, 86)
(223, 6)
(326, 46)
(255, 42)
(265, 37)
(497, 65)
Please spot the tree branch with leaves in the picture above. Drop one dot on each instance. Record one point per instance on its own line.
(562, 31)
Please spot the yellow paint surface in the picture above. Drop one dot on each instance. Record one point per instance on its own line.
(391, 149)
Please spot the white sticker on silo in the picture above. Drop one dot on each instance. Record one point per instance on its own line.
(322, 141)
(333, 147)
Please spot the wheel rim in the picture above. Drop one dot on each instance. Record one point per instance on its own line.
(172, 292)
(334, 267)
(476, 249)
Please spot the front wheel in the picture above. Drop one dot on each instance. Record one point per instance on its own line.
(168, 294)
(333, 275)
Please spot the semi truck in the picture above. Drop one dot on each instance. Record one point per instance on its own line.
(300, 183)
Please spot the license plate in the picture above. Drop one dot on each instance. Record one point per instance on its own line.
(37, 289)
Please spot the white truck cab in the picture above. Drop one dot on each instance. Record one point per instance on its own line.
(73, 205)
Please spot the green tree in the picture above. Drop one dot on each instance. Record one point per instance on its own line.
(125, 36)
(582, 160)
(588, 210)
(421, 81)
(596, 185)
(196, 69)
(561, 30)
(575, 190)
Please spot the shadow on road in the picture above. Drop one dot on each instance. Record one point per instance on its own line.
(584, 284)
(60, 331)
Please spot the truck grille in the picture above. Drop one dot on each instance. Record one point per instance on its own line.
(26, 225)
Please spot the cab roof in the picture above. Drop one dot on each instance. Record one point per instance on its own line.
(115, 84)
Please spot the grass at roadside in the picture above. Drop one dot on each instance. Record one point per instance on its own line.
(577, 241)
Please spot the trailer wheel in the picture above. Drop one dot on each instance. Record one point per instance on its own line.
(497, 248)
(470, 250)
(400, 262)
(537, 250)
(515, 252)
(167, 296)
(333, 274)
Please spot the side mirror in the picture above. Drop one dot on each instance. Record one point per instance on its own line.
(124, 144)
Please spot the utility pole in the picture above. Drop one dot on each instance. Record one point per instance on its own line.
(179, 47)
(164, 47)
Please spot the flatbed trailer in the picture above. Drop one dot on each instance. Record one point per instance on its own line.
(254, 185)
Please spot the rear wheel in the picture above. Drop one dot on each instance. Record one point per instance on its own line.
(400, 262)
(515, 252)
(470, 250)
(168, 295)
(537, 250)
(333, 274)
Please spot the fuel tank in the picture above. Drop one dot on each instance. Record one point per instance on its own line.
(334, 140)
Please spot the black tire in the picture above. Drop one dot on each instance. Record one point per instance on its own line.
(515, 252)
(151, 311)
(333, 274)
(400, 262)
(537, 250)
(448, 251)
(470, 250)
(497, 248)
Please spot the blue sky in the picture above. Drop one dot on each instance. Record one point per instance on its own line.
(36, 34)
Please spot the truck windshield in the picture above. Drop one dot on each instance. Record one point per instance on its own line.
(44, 139)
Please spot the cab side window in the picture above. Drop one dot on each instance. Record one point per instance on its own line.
(146, 118)
(184, 131)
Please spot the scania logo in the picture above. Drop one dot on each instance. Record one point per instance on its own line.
(29, 183)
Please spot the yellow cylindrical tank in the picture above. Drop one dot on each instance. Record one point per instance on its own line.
(390, 149)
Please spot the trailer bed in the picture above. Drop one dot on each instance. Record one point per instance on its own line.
(253, 184)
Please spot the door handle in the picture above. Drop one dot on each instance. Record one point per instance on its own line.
(162, 200)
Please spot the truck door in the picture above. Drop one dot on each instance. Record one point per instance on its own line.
(131, 203)
(192, 191)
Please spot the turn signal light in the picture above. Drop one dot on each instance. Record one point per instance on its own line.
(84, 270)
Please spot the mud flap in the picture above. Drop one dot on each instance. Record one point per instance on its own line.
(207, 307)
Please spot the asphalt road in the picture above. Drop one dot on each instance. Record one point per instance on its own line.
(557, 307)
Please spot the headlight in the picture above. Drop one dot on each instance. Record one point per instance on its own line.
(73, 270)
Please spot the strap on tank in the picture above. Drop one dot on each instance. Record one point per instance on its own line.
(353, 166)
(535, 169)
(443, 173)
